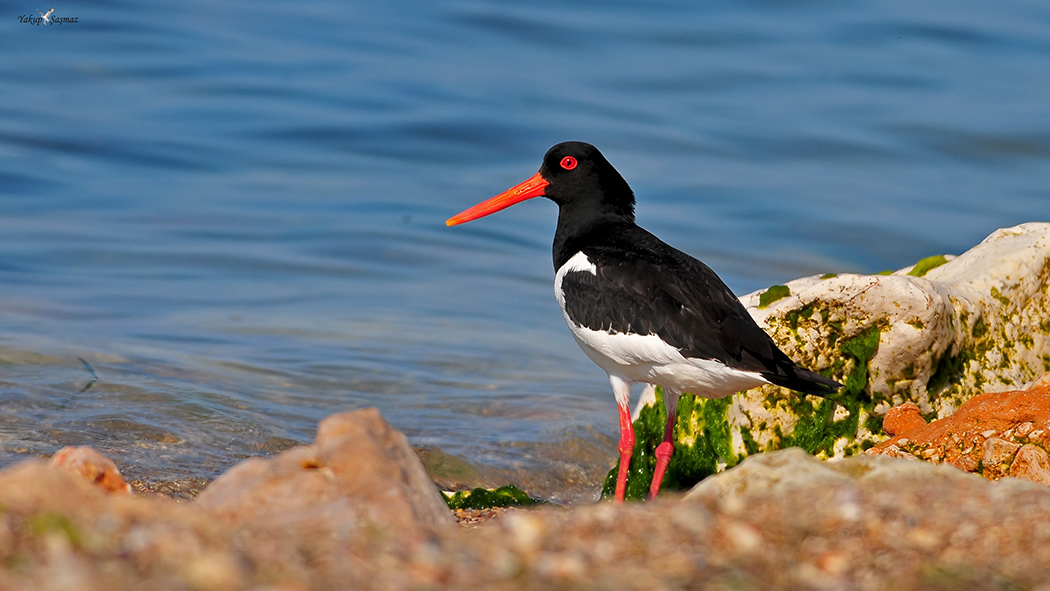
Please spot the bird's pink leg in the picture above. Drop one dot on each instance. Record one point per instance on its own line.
(665, 449)
(626, 447)
(622, 391)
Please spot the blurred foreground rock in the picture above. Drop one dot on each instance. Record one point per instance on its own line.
(301, 521)
(874, 522)
(58, 530)
(995, 435)
(360, 472)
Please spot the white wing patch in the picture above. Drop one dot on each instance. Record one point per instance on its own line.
(647, 358)
(578, 262)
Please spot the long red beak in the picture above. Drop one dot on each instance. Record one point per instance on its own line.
(531, 188)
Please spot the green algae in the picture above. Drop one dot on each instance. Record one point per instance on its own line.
(485, 498)
(816, 430)
(794, 317)
(829, 275)
(952, 368)
(861, 347)
(999, 297)
(750, 445)
(947, 370)
(872, 423)
(980, 328)
(908, 372)
(810, 432)
(926, 265)
(774, 293)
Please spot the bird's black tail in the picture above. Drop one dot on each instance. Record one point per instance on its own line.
(805, 381)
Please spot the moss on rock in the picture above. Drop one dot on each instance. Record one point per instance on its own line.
(925, 265)
(485, 498)
(774, 293)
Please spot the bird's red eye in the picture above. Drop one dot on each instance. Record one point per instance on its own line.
(568, 163)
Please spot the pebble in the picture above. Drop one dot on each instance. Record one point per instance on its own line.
(998, 451)
(1031, 463)
(471, 518)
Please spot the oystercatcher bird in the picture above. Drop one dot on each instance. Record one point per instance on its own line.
(640, 309)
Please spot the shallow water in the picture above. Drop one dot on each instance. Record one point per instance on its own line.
(222, 222)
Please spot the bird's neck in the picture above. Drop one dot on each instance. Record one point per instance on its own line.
(591, 215)
(577, 229)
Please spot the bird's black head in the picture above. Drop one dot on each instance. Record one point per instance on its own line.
(578, 178)
(582, 181)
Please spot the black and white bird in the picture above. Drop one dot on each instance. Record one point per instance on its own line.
(642, 310)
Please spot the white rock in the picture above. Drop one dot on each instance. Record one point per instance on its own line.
(978, 323)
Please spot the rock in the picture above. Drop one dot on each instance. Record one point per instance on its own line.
(998, 452)
(986, 435)
(359, 473)
(843, 515)
(931, 334)
(868, 522)
(769, 473)
(903, 418)
(90, 464)
(793, 472)
(1031, 463)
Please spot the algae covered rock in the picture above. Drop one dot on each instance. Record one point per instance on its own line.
(934, 334)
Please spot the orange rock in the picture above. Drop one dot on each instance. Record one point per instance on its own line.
(903, 418)
(92, 465)
(994, 434)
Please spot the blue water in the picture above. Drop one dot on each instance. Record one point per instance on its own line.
(223, 221)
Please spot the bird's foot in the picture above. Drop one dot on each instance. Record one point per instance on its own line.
(663, 457)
